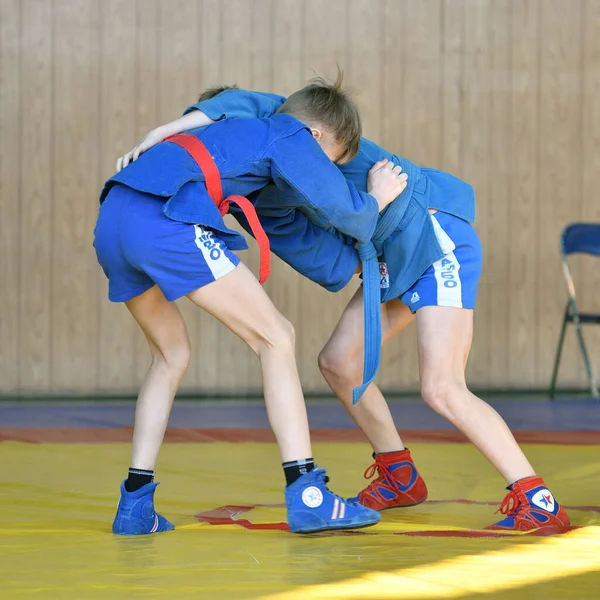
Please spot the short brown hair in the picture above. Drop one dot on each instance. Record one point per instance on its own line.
(328, 103)
(215, 91)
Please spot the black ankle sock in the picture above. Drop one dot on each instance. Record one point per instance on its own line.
(138, 478)
(296, 468)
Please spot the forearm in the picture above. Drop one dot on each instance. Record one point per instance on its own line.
(191, 120)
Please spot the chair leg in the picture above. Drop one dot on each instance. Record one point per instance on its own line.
(558, 353)
(586, 359)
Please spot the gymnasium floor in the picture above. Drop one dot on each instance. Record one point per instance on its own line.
(221, 484)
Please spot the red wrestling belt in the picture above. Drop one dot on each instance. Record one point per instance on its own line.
(197, 150)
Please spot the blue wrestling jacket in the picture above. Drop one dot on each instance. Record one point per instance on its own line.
(316, 201)
(404, 237)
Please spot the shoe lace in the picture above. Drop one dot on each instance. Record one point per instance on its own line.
(325, 478)
(383, 474)
(511, 504)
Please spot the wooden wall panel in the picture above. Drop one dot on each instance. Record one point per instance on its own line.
(523, 215)
(503, 93)
(560, 152)
(37, 213)
(10, 197)
(74, 299)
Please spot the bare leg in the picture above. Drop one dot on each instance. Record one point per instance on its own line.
(253, 317)
(341, 363)
(240, 303)
(444, 340)
(167, 337)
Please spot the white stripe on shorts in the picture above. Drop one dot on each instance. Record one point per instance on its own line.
(449, 286)
(212, 250)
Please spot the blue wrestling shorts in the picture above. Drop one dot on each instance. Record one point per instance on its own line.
(138, 247)
(452, 280)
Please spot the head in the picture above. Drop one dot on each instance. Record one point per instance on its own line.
(331, 115)
(215, 91)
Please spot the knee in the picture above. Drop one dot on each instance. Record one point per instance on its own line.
(442, 395)
(175, 360)
(279, 336)
(336, 367)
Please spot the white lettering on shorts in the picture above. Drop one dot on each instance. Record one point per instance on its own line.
(449, 286)
(213, 252)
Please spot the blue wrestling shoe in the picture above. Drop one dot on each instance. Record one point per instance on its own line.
(312, 506)
(136, 514)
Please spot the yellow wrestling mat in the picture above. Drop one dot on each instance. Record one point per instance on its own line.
(57, 502)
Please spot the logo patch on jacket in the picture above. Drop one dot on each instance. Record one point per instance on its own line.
(384, 276)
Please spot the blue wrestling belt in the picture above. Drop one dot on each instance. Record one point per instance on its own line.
(389, 221)
(372, 316)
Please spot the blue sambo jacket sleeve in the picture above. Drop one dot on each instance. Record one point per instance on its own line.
(299, 164)
(232, 104)
(324, 256)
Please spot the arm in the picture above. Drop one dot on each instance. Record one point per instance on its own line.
(226, 105)
(325, 257)
(299, 164)
(189, 121)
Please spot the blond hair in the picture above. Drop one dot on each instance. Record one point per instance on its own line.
(326, 103)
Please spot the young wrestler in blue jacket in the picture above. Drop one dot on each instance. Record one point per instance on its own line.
(430, 263)
(160, 236)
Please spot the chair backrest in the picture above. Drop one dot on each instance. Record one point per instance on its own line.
(581, 238)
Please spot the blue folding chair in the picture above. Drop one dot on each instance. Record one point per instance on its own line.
(578, 238)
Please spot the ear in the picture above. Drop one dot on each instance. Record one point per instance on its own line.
(316, 133)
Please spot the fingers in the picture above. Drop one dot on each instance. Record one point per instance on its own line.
(397, 170)
(132, 155)
(124, 160)
(385, 163)
(379, 165)
(137, 151)
(403, 179)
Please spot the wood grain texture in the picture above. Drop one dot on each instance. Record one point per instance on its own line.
(502, 93)
(561, 153)
(35, 225)
(74, 300)
(10, 195)
(523, 214)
